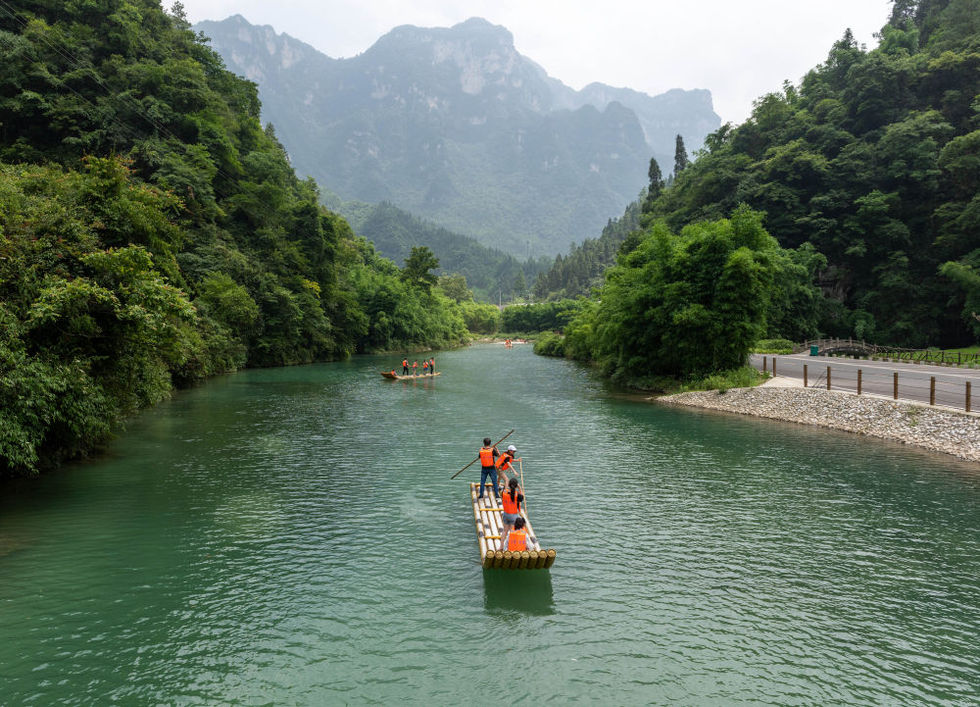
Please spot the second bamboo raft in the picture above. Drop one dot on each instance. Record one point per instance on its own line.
(487, 516)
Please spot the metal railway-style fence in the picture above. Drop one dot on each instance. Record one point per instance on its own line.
(861, 348)
(954, 390)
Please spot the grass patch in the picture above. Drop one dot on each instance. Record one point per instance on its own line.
(773, 346)
(744, 377)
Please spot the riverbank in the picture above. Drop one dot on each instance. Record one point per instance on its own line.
(938, 429)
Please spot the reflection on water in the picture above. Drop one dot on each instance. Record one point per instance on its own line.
(508, 592)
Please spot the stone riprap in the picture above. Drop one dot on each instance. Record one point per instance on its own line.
(938, 429)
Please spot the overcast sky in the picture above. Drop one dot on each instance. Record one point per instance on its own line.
(738, 49)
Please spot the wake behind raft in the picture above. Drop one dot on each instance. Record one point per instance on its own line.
(486, 514)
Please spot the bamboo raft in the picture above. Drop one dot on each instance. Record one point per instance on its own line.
(487, 516)
(395, 377)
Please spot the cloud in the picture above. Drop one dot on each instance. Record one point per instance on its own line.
(738, 50)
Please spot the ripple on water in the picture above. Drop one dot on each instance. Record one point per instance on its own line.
(292, 536)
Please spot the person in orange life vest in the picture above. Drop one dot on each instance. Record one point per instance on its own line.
(512, 499)
(503, 464)
(432, 365)
(425, 367)
(415, 368)
(488, 456)
(404, 366)
(519, 540)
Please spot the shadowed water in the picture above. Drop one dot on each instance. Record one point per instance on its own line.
(291, 536)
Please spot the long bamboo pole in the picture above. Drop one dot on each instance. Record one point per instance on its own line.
(478, 458)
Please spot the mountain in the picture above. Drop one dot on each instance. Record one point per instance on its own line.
(455, 125)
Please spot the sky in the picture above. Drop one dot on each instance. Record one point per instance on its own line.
(737, 49)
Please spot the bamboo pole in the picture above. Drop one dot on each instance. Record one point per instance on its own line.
(478, 457)
(525, 557)
(551, 558)
(498, 559)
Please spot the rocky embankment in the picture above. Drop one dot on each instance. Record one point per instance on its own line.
(938, 429)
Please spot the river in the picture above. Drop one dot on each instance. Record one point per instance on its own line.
(292, 536)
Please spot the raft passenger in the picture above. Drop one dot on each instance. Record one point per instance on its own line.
(512, 499)
(518, 539)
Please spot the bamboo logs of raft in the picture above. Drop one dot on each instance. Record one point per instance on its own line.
(489, 526)
(395, 377)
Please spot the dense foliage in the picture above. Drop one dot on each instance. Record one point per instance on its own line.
(544, 316)
(685, 305)
(872, 160)
(152, 233)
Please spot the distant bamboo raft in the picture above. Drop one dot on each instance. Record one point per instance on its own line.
(489, 525)
(395, 377)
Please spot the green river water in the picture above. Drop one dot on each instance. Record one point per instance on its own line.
(291, 536)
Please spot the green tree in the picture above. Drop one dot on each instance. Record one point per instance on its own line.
(417, 268)
(680, 156)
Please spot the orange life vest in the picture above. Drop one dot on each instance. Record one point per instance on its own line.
(510, 504)
(517, 540)
(405, 363)
(486, 456)
(503, 461)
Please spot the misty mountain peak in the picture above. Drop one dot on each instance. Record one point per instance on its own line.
(456, 125)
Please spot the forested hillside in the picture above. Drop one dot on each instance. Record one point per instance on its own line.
(491, 273)
(152, 233)
(575, 274)
(873, 160)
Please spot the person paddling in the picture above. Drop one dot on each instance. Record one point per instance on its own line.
(488, 455)
(512, 499)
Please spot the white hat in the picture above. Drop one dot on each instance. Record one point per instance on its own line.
(512, 448)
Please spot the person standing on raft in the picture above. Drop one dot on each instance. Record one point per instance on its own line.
(415, 368)
(488, 455)
(503, 464)
(404, 366)
(512, 499)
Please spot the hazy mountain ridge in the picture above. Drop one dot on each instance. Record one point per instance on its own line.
(457, 126)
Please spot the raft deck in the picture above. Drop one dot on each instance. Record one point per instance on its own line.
(395, 377)
(487, 515)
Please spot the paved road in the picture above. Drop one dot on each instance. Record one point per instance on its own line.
(877, 377)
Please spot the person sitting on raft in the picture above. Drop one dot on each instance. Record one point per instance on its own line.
(425, 367)
(518, 540)
(512, 498)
